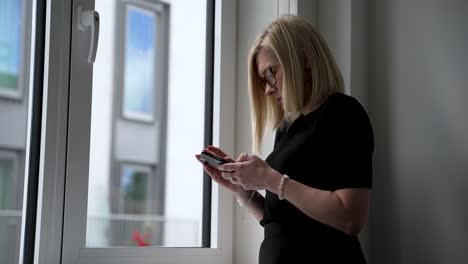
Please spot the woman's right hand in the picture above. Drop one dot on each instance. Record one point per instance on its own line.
(215, 174)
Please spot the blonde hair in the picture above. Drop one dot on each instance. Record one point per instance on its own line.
(295, 44)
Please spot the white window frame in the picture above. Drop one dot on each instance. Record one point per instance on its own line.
(53, 143)
(50, 209)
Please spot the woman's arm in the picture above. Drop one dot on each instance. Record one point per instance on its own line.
(256, 204)
(345, 209)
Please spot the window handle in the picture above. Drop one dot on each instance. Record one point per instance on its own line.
(90, 18)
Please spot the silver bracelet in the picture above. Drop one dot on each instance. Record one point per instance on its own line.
(252, 194)
(281, 187)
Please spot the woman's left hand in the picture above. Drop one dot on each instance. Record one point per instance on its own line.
(252, 173)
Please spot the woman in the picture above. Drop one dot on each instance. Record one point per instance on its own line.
(319, 175)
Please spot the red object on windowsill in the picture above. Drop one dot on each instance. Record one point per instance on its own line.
(141, 240)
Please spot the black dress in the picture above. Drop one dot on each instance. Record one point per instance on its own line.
(330, 148)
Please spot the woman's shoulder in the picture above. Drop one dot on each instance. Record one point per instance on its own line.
(343, 105)
(342, 111)
(343, 100)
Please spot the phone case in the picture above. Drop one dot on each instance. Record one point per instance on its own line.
(211, 159)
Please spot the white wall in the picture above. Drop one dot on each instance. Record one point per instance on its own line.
(253, 17)
(418, 93)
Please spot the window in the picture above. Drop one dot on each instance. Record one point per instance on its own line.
(12, 28)
(134, 138)
(8, 180)
(133, 191)
(139, 53)
(148, 119)
(15, 37)
(137, 215)
(10, 206)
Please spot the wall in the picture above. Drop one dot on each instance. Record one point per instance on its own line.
(417, 102)
(253, 17)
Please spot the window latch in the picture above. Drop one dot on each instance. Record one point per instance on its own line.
(86, 19)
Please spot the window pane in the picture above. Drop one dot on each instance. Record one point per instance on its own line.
(10, 47)
(140, 48)
(14, 52)
(148, 114)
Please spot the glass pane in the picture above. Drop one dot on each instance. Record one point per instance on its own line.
(148, 114)
(14, 52)
(139, 54)
(10, 47)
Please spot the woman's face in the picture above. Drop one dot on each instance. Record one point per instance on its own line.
(270, 72)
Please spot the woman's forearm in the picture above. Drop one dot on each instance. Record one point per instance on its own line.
(255, 206)
(324, 206)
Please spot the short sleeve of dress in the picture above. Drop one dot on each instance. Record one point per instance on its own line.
(348, 140)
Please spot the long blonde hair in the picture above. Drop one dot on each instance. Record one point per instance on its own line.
(296, 44)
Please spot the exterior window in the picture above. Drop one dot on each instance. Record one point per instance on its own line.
(14, 79)
(135, 190)
(128, 193)
(140, 44)
(11, 186)
(11, 29)
(7, 175)
(151, 110)
(118, 144)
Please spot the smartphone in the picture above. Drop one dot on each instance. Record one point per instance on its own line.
(211, 159)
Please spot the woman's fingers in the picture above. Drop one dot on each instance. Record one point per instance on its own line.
(242, 157)
(231, 183)
(228, 167)
(230, 176)
(210, 170)
(218, 152)
(227, 175)
(213, 172)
